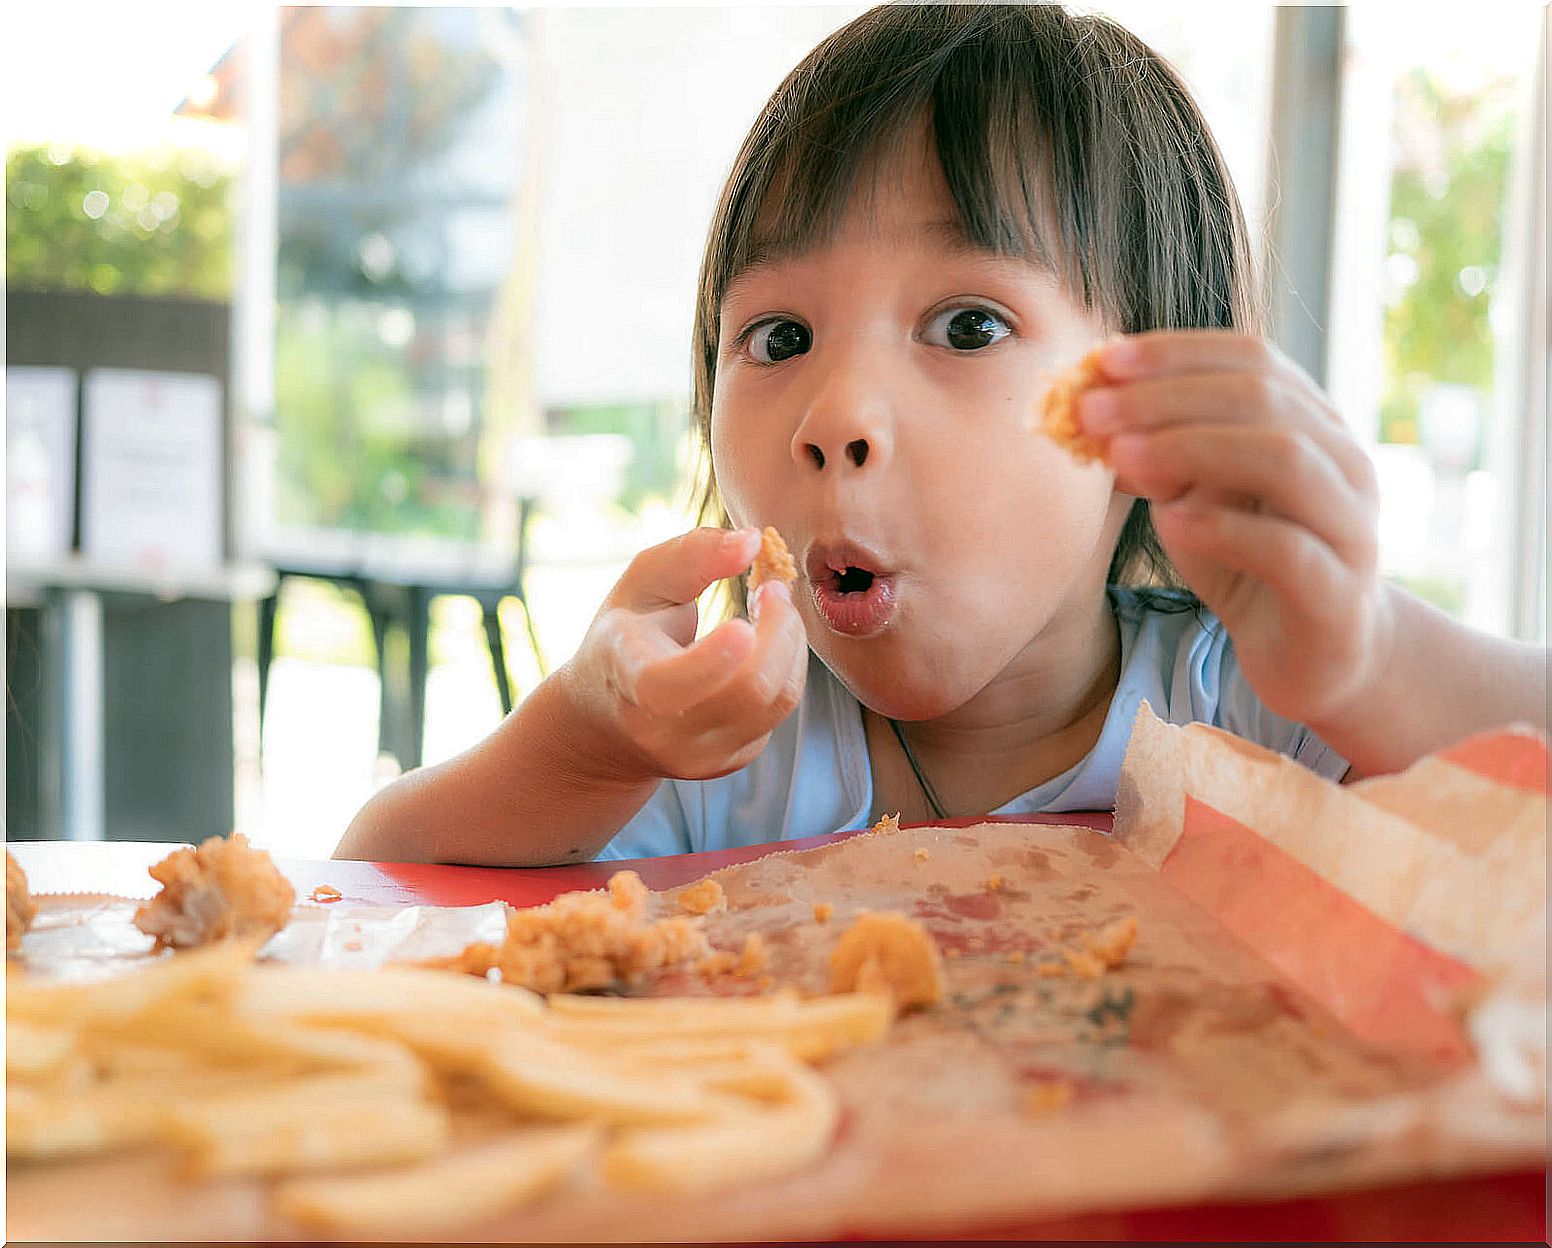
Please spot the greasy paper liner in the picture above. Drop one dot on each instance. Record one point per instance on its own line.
(1225, 1059)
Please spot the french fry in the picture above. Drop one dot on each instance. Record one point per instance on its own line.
(268, 1106)
(741, 1148)
(468, 1185)
(41, 1126)
(232, 1039)
(253, 1070)
(335, 1133)
(34, 1050)
(543, 1079)
(358, 995)
(211, 971)
(811, 1031)
(577, 1005)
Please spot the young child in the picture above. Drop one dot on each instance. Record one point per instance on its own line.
(940, 209)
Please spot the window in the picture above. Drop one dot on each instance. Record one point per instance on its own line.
(1431, 332)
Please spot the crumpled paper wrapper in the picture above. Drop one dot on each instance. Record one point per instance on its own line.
(1235, 1054)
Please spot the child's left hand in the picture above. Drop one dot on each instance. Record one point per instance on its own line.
(1263, 500)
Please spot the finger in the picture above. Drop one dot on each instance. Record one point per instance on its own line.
(1205, 541)
(670, 680)
(677, 571)
(1284, 473)
(1162, 352)
(1278, 399)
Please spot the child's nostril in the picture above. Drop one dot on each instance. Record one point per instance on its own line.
(816, 455)
(858, 451)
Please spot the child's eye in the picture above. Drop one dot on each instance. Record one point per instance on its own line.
(966, 329)
(770, 342)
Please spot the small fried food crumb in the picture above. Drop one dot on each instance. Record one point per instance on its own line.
(774, 562)
(1058, 409)
(326, 892)
(702, 897)
(223, 889)
(765, 983)
(1102, 951)
(885, 825)
(713, 964)
(1083, 965)
(20, 908)
(753, 958)
(995, 883)
(887, 952)
(585, 940)
(823, 910)
(922, 855)
(1112, 943)
(1015, 956)
(953, 953)
(1047, 1096)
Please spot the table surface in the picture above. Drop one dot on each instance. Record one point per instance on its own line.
(1494, 1207)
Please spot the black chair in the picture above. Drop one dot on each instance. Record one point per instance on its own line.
(399, 598)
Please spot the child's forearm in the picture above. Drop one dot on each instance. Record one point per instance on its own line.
(534, 792)
(1439, 682)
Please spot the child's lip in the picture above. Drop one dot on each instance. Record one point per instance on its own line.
(826, 559)
(857, 614)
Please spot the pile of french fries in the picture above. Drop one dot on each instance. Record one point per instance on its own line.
(351, 1090)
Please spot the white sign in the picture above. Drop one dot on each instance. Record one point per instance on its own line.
(151, 469)
(39, 463)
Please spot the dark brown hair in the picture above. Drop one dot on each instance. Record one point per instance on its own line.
(1064, 140)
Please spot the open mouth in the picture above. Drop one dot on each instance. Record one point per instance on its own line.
(850, 589)
(853, 580)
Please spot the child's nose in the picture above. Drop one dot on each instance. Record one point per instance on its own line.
(846, 427)
(856, 451)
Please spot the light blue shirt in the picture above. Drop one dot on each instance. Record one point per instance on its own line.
(814, 776)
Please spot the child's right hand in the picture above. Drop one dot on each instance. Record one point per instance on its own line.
(656, 701)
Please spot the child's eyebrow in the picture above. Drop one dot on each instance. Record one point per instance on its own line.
(768, 252)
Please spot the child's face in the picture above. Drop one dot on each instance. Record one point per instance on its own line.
(875, 400)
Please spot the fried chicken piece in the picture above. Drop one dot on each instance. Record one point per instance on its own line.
(1058, 409)
(889, 953)
(752, 958)
(223, 889)
(20, 908)
(702, 897)
(584, 940)
(747, 963)
(774, 562)
(1047, 1096)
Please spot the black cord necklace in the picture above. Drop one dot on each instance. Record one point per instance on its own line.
(921, 778)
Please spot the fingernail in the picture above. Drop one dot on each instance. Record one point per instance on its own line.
(1098, 411)
(1119, 354)
(767, 590)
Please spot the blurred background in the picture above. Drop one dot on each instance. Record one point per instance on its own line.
(347, 351)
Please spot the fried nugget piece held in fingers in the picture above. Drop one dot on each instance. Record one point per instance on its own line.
(774, 562)
(1059, 410)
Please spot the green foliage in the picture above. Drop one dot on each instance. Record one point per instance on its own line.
(655, 430)
(154, 223)
(347, 409)
(1447, 196)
